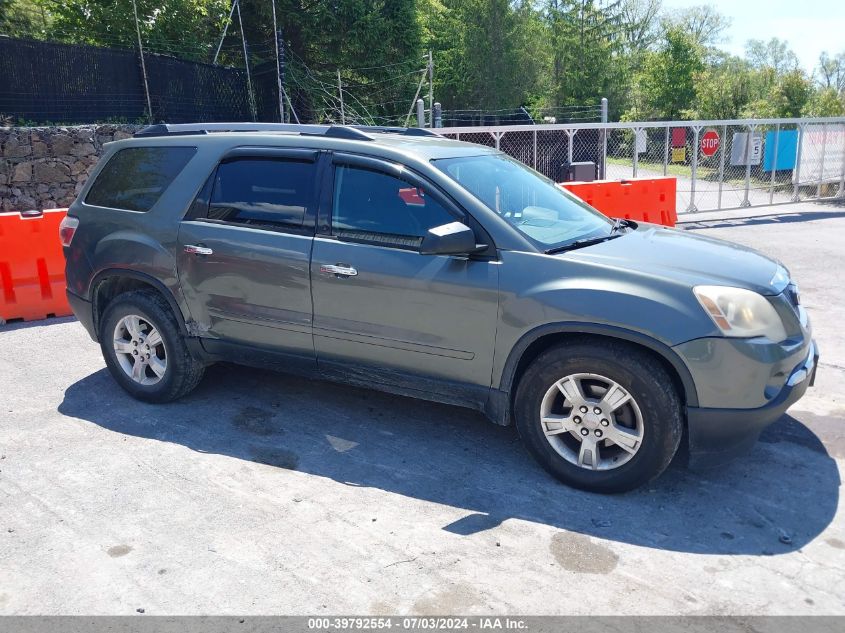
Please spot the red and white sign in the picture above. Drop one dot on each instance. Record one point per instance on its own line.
(710, 142)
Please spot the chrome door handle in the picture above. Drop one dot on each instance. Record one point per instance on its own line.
(198, 250)
(338, 269)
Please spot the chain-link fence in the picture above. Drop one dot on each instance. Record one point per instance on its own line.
(49, 82)
(716, 164)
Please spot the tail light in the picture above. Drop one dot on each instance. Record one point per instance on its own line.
(67, 229)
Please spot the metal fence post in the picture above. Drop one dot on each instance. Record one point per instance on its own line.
(666, 153)
(748, 143)
(723, 148)
(796, 171)
(534, 154)
(604, 153)
(604, 139)
(569, 134)
(636, 160)
(841, 193)
(692, 208)
(821, 162)
(420, 113)
(774, 164)
(497, 137)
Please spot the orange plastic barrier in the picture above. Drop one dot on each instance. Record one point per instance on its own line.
(646, 199)
(32, 266)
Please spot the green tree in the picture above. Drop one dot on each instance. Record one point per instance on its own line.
(831, 71)
(702, 23)
(722, 91)
(665, 87)
(824, 102)
(21, 19)
(487, 54)
(185, 28)
(786, 99)
(586, 51)
(640, 25)
(774, 54)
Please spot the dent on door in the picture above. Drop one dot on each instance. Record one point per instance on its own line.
(253, 287)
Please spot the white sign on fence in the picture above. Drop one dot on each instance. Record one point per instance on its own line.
(822, 154)
(746, 149)
(642, 141)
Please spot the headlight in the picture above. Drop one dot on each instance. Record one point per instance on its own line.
(740, 313)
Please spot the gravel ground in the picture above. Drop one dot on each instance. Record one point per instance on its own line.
(266, 494)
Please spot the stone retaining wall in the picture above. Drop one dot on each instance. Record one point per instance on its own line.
(45, 167)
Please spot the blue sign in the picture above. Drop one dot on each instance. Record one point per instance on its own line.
(787, 150)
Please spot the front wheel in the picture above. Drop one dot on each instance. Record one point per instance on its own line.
(144, 350)
(603, 416)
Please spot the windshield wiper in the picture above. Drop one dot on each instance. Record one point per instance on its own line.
(581, 244)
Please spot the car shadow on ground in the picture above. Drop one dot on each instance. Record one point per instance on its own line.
(773, 501)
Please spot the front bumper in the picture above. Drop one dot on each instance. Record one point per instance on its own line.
(718, 435)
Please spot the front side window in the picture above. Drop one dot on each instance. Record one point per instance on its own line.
(534, 205)
(136, 177)
(375, 206)
(263, 192)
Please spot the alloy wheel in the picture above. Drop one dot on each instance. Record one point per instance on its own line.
(140, 350)
(592, 421)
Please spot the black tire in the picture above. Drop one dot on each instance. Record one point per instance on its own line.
(183, 372)
(636, 371)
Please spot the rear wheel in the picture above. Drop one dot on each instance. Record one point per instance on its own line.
(601, 416)
(144, 350)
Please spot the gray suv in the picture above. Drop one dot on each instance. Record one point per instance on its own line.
(395, 259)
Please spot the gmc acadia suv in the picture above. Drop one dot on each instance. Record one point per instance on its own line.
(417, 265)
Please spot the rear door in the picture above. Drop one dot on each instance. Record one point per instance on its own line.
(245, 248)
(381, 306)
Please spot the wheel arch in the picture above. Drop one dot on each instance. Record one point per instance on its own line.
(533, 343)
(112, 282)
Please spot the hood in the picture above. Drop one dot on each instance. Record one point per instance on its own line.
(687, 258)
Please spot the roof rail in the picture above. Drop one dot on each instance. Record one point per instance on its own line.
(352, 132)
(404, 131)
(175, 129)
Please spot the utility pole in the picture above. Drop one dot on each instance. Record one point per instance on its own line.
(143, 66)
(279, 65)
(430, 90)
(340, 93)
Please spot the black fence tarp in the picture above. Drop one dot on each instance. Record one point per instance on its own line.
(47, 82)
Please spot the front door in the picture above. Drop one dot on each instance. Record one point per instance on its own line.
(384, 312)
(245, 249)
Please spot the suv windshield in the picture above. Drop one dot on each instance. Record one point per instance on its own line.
(532, 203)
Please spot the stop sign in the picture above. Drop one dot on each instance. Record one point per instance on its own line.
(710, 142)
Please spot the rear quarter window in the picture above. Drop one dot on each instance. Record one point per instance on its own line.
(134, 178)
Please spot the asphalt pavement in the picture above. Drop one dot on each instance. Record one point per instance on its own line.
(262, 493)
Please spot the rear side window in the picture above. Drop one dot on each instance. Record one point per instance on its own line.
(263, 192)
(134, 178)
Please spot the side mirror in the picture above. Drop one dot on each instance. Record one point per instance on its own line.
(454, 238)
